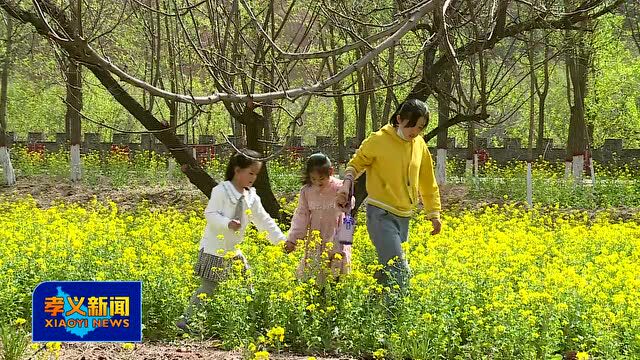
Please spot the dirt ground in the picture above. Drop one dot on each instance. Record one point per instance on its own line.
(46, 192)
(168, 351)
(175, 351)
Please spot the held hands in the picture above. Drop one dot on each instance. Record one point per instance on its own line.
(342, 199)
(234, 225)
(289, 246)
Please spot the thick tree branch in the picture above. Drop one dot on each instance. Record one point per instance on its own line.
(91, 56)
(424, 87)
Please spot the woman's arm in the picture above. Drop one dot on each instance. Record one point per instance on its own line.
(362, 159)
(429, 187)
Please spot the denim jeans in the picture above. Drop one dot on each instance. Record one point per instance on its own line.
(387, 232)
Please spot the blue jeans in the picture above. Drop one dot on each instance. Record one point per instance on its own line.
(387, 232)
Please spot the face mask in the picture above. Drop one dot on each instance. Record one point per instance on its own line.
(401, 135)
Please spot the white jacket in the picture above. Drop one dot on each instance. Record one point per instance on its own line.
(221, 210)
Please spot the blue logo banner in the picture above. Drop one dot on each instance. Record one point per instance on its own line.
(87, 311)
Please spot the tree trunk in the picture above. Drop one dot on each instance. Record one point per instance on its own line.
(267, 112)
(254, 124)
(471, 108)
(73, 115)
(340, 115)
(532, 117)
(576, 142)
(391, 71)
(443, 118)
(375, 121)
(174, 110)
(263, 183)
(632, 12)
(577, 60)
(471, 149)
(74, 102)
(5, 159)
(541, 119)
(362, 99)
(542, 95)
(239, 132)
(173, 120)
(340, 119)
(360, 188)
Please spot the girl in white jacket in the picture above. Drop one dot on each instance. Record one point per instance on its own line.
(227, 218)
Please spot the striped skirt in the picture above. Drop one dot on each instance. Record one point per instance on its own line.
(217, 268)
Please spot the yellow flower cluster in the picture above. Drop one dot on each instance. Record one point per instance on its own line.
(501, 282)
(96, 242)
(276, 333)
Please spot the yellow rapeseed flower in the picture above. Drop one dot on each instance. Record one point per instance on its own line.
(379, 354)
(277, 332)
(582, 356)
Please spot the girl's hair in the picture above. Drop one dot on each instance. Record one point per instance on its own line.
(241, 161)
(412, 109)
(317, 162)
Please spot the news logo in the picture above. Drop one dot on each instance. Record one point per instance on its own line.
(87, 311)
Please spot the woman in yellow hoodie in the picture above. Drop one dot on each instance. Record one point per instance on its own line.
(399, 166)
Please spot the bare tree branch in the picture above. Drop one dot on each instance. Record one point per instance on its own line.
(92, 57)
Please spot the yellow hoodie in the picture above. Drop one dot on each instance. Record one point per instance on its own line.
(396, 170)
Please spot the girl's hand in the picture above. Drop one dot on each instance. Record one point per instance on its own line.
(289, 246)
(342, 199)
(437, 226)
(234, 225)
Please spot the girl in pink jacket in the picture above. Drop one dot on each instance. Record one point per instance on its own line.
(316, 220)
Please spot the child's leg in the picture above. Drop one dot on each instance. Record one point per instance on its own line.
(206, 287)
(212, 270)
(341, 261)
(346, 259)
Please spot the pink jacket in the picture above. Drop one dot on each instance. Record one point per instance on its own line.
(317, 210)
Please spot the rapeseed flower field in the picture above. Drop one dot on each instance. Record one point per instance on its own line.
(498, 283)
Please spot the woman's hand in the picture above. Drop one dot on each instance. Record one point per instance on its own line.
(342, 199)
